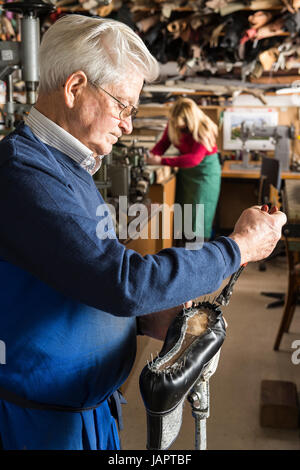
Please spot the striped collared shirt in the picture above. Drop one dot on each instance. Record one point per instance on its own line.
(52, 134)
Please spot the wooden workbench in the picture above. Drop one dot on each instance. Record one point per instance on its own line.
(239, 190)
(228, 172)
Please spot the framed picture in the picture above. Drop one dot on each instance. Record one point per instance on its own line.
(259, 117)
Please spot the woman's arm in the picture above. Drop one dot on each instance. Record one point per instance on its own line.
(191, 159)
(162, 145)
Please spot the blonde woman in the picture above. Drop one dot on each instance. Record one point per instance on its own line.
(194, 134)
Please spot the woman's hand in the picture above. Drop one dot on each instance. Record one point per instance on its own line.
(153, 159)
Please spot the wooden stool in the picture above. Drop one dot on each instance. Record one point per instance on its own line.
(279, 404)
(292, 293)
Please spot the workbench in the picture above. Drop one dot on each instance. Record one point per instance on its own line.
(228, 172)
(239, 190)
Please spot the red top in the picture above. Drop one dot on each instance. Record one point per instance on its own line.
(192, 152)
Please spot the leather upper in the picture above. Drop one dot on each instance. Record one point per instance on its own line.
(163, 388)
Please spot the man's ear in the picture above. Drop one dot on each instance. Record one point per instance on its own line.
(73, 86)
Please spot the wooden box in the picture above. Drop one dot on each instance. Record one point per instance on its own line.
(279, 404)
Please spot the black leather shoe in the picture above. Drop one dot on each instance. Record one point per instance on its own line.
(193, 339)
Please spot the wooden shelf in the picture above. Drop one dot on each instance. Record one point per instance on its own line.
(192, 10)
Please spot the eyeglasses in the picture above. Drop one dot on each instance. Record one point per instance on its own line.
(127, 111)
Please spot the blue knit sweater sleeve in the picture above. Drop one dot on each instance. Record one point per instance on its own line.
(50, 230)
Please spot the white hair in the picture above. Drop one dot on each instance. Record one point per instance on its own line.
(106, 50)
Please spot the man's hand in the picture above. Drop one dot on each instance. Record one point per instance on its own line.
(257, 233)
(157, 324)
(153, 159)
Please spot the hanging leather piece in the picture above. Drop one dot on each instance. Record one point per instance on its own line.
(204, 37)
(146, 23)
(268, 58)
(214, 39)
(177, 27)
(275, 28)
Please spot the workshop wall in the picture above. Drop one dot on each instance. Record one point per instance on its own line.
(222, 37)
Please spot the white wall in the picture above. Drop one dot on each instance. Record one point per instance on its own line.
(272, 100)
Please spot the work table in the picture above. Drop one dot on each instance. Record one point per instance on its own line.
(229, 172)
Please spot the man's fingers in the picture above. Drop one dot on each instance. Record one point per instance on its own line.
(281, 218)
(274, 209)
(257, 231)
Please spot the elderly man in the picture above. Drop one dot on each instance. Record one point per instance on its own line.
(70, 300)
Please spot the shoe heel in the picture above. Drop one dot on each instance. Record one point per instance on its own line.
(163, 428)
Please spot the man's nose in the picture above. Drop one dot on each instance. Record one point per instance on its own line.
(126, 125)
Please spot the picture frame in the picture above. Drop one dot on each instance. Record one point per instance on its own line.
(232, 120)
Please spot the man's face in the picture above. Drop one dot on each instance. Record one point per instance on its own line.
(95, 117)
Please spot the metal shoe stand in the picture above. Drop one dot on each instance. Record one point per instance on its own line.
(199, 400)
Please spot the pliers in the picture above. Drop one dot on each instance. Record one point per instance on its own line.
(225, 295)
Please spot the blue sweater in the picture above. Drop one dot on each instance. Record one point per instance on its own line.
(69, 300)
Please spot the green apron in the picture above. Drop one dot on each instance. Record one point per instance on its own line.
(200, 185)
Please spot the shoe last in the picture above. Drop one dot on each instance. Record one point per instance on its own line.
(192, 340)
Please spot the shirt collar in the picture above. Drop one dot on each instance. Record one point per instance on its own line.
(52, 134)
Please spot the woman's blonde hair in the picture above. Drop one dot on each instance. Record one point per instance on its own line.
(185, 114)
